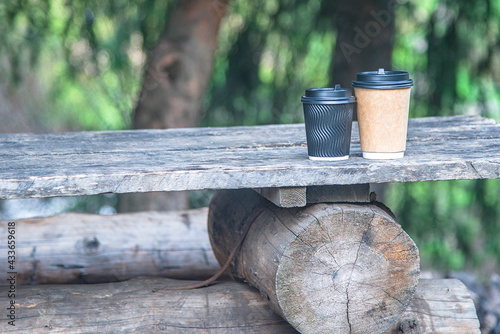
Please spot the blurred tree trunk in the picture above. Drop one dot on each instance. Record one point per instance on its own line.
(365, 29)
(180, 66)
(175, 80)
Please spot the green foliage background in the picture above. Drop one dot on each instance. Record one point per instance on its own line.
(79, 67)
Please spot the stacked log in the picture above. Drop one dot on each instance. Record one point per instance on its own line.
(440, 306)
(339, 267)
(87, 248)
(342, 268)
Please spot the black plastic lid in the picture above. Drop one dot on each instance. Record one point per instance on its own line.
(382, 79)
(337, 95)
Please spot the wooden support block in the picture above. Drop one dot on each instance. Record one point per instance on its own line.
(439, 306)
(342, 268)
(356, 193)
(285, 197)
(300, 196)
(86, 248)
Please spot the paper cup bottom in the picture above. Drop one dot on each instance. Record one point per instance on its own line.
(329, 158)
(383, 155)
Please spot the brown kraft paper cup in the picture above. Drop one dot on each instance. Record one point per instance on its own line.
(383, 119)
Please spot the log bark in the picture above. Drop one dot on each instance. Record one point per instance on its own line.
(439, 306)
(85, 248)
(342, 268)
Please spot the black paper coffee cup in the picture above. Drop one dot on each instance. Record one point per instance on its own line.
(328, 120)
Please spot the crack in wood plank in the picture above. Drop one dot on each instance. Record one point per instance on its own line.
(471, 166)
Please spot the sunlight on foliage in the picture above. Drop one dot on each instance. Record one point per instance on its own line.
(455, 223)
(87, 56)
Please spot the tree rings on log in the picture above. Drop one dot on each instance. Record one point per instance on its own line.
(326, 268)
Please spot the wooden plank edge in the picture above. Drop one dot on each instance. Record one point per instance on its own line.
(290, 197)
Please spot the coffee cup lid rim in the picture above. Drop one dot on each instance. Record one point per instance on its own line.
(382, 79)
(335, 94)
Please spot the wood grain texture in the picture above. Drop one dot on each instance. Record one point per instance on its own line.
(85, 248)
(300, 196)
(289, 197)
(86, 163)
(132, 307)
(356, 193)
(342, 268)
(439, 306)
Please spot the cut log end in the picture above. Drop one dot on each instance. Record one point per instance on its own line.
(324, 268)
(353, 262)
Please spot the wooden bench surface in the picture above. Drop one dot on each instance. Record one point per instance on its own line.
(87, 163)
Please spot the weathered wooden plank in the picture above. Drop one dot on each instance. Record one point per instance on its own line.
(213, 138)
(439, 306)
(85, 248)
(175, 140)
(89, 163)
